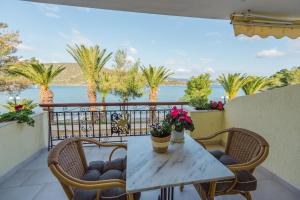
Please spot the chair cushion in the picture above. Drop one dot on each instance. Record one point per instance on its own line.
(217, 153)
(111, 174)
(100, 170)
(117, 164)
(245, 180)
(223, 158)
(91, 175)
(98, 165)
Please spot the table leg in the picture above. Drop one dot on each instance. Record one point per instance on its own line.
(130, 196)
(166, 193)
(212, 190)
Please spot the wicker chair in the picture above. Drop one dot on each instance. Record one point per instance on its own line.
(68, 163)
(244, 151)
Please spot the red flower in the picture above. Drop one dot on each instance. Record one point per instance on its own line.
(188, 119)
(174, 113)
(18, 107)
(220, 103)
(214, 105)
(182, 118)
(220, 107)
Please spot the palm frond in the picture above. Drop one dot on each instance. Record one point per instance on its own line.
(232, 83)
(155, 76)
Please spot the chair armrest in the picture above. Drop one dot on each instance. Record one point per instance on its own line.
(116, 148)
(87, 185)
(212, 135)
(203, 139)
(120, 145)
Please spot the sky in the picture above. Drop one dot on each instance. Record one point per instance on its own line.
(188, 46)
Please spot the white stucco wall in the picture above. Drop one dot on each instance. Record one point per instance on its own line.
(18, 142)
(275, 115)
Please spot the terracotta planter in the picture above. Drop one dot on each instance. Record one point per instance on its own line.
(177, 137)
(160, 145)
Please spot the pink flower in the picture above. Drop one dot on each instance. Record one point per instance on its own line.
(174, 113)
(185, 113)
(188, 119)
(220, 107)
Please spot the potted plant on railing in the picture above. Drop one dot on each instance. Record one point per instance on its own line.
(19, 112)
(160, 136)
(180, 122)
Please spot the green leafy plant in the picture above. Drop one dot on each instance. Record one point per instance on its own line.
(40, 75)
(161, 130)
(130, 81)
(199, 86)
(27, 104)
(91, 60)
(232, 83)
(255, 84)
(199, 103)
(155, 76)
(20, 115)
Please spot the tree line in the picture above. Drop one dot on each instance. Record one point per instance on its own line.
(199, 88)
(127, 79)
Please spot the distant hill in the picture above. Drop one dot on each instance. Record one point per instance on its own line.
(72, 75)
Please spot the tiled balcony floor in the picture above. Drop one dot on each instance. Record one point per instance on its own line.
(35, 182)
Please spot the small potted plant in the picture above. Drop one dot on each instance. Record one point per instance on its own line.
(160, 136)
(19, 112)
(180, 121)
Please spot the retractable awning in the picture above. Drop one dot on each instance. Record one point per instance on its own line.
(253, 24)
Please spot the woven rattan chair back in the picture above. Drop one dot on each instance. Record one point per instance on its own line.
(67, 157)
(244, 145)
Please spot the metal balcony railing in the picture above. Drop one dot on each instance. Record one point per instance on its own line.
(111, 122)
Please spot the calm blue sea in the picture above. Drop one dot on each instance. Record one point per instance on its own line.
(73, 94)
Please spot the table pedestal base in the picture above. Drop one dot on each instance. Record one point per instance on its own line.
(166, 193)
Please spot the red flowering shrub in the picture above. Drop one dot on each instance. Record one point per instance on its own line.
(180, 120)
(213, 105)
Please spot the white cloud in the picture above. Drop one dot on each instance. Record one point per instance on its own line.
(132, 50)
(75, 37)
(183, 70)
(63, 35)
(209, 70)
(270, 53)
(171, 61)
(294, 45)
(130, 59)
(246, 38)
(25, 47)
(50, 10)
(51, 14)
(78, 38)
(204, 61)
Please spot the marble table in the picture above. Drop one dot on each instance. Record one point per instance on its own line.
(184, 163)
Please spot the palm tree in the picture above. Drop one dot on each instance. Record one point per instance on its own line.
(38, 74)
(90, 60)
(232, 83)
(255, 84)
(155, 76)
(106, 83)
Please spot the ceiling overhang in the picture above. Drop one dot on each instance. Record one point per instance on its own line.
(211, 9)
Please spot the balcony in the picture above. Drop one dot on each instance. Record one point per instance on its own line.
(24, 173)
